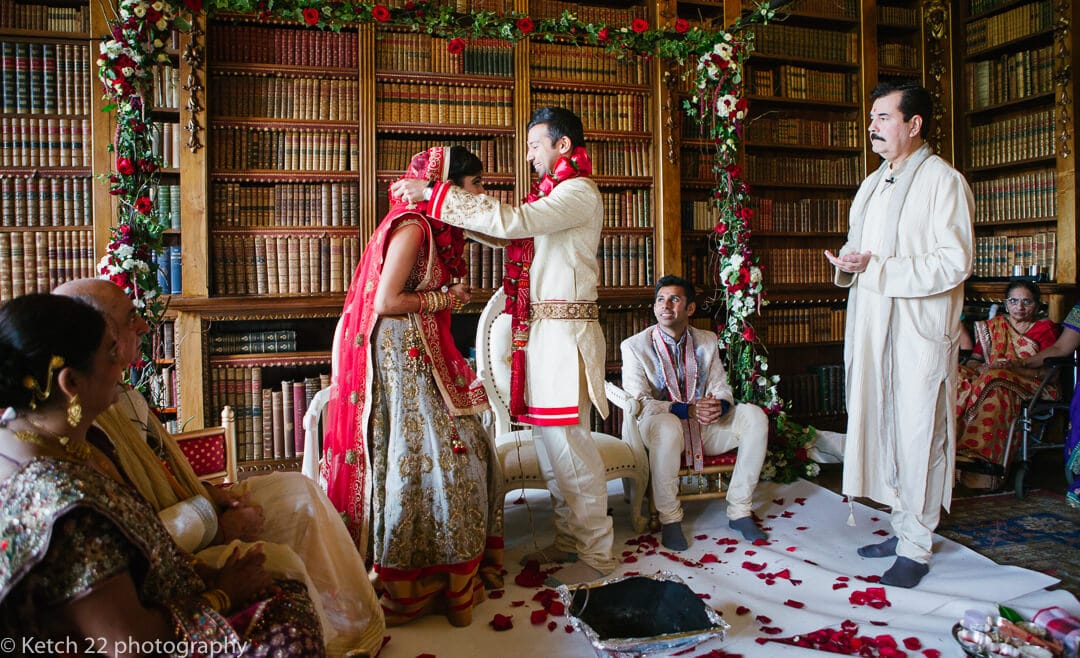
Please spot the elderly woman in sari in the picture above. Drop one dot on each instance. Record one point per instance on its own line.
(994, 379)
(84, 556)
(406, 458)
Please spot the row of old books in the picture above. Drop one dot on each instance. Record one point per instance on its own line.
(44, 78)
(898, 55)
(284, 149)
(20, 16)
(830, 130)
(612, 14)
(164, 388)
(285, 204)
(485, 266)
(810, 324)
(791, 81)
(836, 170)
(795, 266)
(986, 33)
(549, 61)
(812, 215)
(167, 204)
(164, 341)
(280, 97)
(497, 153)
(169, 269)
(818, 392)
(697, 163)
(625, 260)
(413, 52)
(34, 142)
(45, 200)
(620, 158)
(271, 341)
(807, 43)
(1023, 136)
(283, 264)
(618, 325)
(474, 105)
(699, 215)
(165, 143)
(629, 208)
(894, 16)
(255, 44)
(999, 256)
(699, 266)
(166, 89)
(626, 112)
(1009, 77)
(847, 9)
(269, 421)
(1016, 196)
(38, 261)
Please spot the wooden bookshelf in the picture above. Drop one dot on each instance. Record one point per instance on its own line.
(1015, 104)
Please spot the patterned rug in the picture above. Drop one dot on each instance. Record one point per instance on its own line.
(1039, 532)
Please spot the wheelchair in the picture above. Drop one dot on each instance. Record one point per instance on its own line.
(1029, 431)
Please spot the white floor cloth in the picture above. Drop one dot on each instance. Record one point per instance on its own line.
(809, 537)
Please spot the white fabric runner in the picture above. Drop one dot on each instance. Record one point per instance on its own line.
(808, 536)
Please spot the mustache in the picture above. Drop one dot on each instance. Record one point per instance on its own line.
(876, 136)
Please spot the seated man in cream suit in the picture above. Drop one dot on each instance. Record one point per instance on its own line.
(676, 372)
(296, 527)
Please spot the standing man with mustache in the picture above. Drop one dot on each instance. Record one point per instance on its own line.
(909, 250)
(557, 367)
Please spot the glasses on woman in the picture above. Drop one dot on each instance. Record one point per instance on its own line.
(1020, 301)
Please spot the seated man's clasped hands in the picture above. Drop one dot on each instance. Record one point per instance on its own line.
(676, 372)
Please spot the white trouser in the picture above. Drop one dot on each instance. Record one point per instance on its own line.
(745, 427)
(914, 528)
(573, 470)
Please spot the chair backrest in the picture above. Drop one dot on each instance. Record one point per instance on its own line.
(493, 347)
(212, 451)
(313, 424)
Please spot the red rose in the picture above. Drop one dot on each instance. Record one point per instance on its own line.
(193, 5)
(801, 454)
(748, 334)
(455, 46)
(721, 228)
(525, 25)
(144, 205)
(410, 5)
(125, 166)
(138, 127)
(311, 16)
(147, 165)
(602, 35)
(380, 13)
(639, 25)
(681, 25)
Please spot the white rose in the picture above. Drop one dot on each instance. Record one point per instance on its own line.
(140, 11)
(162, 24)
(158, 43)
(158, 6)
(127, 71)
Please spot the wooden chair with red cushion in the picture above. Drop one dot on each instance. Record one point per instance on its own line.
(212, 451)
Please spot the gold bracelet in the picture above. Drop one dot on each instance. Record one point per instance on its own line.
(217, 599)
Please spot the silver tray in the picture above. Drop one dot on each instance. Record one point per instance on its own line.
(637, 615)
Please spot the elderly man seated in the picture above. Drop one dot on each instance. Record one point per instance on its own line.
(299, 531)
(676, 372)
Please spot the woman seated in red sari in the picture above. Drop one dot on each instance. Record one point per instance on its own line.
(406, 458)
(994, 380)
(84, 561)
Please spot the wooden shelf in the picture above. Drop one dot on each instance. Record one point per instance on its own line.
(282, 70)
(802, 102)
(272, 359)
(1016, 103)
(452, 79)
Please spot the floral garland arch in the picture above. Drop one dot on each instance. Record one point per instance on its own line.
(715, 62)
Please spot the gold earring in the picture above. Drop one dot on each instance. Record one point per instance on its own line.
(74, 412)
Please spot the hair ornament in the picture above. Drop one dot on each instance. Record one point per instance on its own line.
(31, 384)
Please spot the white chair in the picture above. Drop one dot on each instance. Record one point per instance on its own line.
(313, 418)
(623, 458)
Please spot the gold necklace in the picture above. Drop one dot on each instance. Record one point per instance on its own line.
(78, 448)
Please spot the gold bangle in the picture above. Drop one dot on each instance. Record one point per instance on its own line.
(217, 599)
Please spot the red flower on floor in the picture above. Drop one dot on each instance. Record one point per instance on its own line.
(502, 622)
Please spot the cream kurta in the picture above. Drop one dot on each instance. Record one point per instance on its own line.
(566, 227)
(903, 325)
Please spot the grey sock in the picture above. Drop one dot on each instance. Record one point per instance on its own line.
(671, 536)
(750, 531)
(905, 572)
(886, 548)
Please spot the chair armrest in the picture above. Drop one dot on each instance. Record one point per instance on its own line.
(228, 421)
(310, 465)
(630, 407)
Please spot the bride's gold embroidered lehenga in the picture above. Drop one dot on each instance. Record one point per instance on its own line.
(65, 529)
